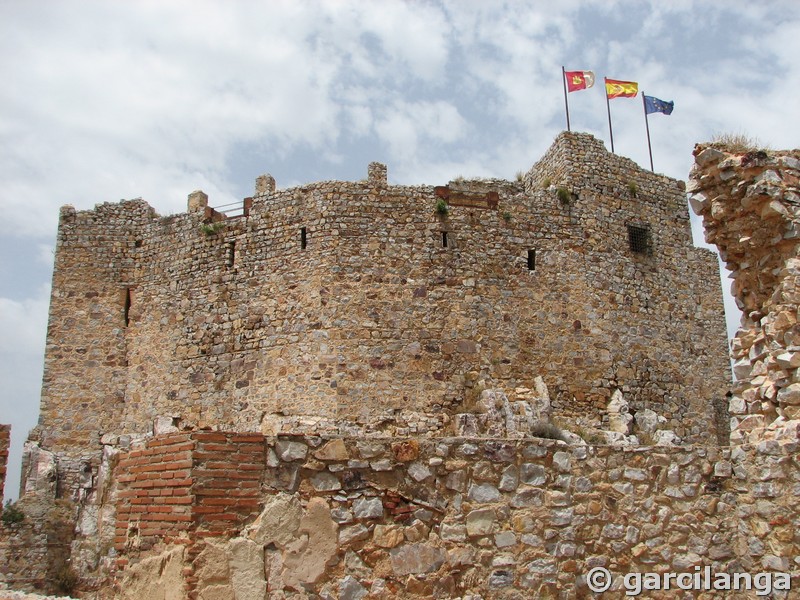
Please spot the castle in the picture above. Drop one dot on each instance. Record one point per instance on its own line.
(302, 390)
(345, 306)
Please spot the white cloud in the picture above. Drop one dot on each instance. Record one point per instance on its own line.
(404, 125)
(23, 324)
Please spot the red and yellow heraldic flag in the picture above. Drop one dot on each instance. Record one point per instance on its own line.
(579, 80)
(621, 89)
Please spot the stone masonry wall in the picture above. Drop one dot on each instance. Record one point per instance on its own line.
(5, 442)
(336, 307)
(446, 518)
(750, 204)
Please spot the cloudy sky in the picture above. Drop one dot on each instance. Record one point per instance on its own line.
(109, 100)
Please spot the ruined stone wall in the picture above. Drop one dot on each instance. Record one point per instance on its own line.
(750, 204)
(5, 443)
(447, 517)
(336, 307)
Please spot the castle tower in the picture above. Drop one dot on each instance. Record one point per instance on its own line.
(354, 306)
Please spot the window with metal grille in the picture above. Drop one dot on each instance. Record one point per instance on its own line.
(639, 238)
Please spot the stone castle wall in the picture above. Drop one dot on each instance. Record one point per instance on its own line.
(336, 307)
(5, 443)
(750, 204)
(223, 515)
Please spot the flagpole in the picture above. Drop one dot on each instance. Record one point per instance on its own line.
(608, 107)
(564, 83)
(647, 127)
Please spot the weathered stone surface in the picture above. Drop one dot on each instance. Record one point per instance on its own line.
(353, 533)
(368, 508)
(351, 589)
(325, 482)
(481, 522)
(332, 450)
(159, 577)
(483, 493)
(306, 558)
(509, 480)
(212, 571)
(387, 536)
(406, 451)
(247, 569)
(416, 558)
(418, 471)
(290, 451)
(532, 474)
(278, 522)
(619, 417)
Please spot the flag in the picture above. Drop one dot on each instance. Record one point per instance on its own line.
(653, 105)
(579, 80)
(621, 89)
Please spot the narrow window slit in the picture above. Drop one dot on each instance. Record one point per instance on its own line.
(444, 239)
(531, 260)
(127, 307)
(303, 238)
(231, 254)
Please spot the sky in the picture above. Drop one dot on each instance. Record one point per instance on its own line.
(111, 100)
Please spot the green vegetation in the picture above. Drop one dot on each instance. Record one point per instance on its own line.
(737, 143)
(212, 228)
(66, 579)
(547, 431)
(442, 207)
(546, 182)
(564, 196)
(520, 176)
(12, 515)
(633, 189)
(507, 216)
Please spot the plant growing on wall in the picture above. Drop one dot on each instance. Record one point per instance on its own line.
(563, 195)
(736, 142)
(507, 216)
(633, 189)
(12, 515)
(212, 228)
(66, 579)
(442, 207)
(549, 431)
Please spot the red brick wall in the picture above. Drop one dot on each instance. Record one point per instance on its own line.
(227, 475)
(5, 441)
(155, 497)
(206, 483)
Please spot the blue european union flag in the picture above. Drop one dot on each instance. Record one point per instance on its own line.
(653, 104)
